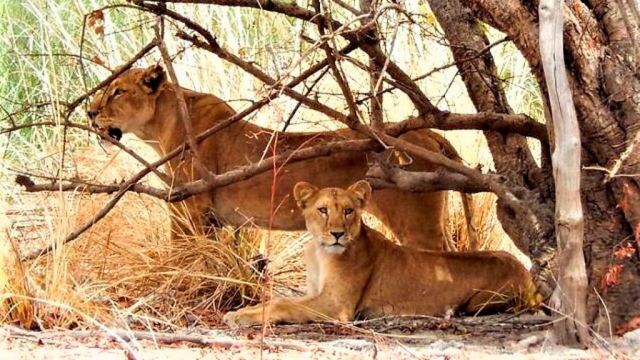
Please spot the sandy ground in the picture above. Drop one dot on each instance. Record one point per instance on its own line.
(488, 338)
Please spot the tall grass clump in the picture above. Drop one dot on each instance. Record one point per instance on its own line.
(126, 270)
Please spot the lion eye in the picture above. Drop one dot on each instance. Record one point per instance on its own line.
(322, 210)
(348, 211)
(118, 92)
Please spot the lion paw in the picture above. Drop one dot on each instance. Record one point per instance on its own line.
(240, 318)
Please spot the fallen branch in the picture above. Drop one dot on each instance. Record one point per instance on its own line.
(127, 335)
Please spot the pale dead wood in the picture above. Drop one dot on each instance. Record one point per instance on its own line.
(163, 338)
(570, 295)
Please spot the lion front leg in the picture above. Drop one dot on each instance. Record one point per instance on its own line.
(290, 310)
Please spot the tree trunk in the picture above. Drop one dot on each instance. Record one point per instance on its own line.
(511, 154)
(569, 299)
(606, 92)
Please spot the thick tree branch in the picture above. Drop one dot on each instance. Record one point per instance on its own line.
(504, 123)
(536, 227)
(384, 175)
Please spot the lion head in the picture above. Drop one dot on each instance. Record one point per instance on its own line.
(128, 103)
(333, 215)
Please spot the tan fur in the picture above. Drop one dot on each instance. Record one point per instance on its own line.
(143, 102)
(362, 273)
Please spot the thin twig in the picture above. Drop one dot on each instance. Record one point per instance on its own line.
(413, 91)
(352, 119)
(255, 71)
(164, 177)
(144, 51)
(183, 111)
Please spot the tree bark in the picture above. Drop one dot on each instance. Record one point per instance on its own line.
(606, 92)
(511, 154)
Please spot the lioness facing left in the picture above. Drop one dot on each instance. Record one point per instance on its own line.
(353, 270)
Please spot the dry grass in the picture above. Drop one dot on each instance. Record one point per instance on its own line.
(125, 268)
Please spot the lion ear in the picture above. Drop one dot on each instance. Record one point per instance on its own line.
(362, 191)
(302, 192)
(152, 78)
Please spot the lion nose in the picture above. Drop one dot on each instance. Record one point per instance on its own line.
(92, 114)
(337, 234)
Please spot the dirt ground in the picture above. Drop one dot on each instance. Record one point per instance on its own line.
(495, 337)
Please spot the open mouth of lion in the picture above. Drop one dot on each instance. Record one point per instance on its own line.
(115, 133)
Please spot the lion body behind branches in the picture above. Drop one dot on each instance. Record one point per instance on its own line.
(143, 102)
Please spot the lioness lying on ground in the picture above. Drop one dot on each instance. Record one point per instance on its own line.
(352, 270)
(143, 102)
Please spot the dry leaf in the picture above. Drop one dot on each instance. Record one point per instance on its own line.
(624, 252)
(97, 60)
(95, 17)
(612, 277)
